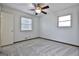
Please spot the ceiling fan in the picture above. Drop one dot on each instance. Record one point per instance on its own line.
(39, 8)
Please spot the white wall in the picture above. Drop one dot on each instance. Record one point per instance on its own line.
(17, 33)
(0, 23)
(0, 8)
(48, 27)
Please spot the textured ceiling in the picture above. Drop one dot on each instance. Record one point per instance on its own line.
(26, 6)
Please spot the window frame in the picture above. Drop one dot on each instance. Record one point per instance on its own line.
(64, 26)
(21, 24)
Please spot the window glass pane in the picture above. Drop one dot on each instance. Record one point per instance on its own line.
(26, 27)
(62, 24)
(26, 24)
(64, 18)
(26, 20)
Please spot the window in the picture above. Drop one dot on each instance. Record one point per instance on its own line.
(64, 21)
(26, 24)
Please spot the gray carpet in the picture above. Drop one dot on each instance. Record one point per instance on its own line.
(40, 47)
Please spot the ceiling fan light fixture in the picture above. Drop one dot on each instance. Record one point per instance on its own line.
(38, 10)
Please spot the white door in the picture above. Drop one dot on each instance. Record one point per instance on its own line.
(6, 28)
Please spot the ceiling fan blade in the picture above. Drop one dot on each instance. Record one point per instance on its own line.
(34, 4)
(44, 12)
(45, 7)
(32, 9)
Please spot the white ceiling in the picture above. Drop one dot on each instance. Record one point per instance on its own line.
(26, 6)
